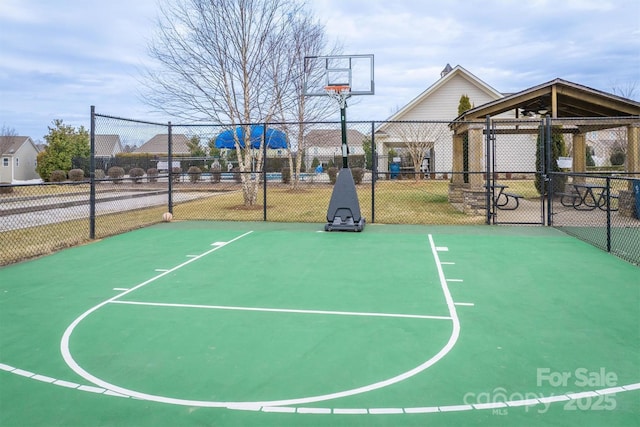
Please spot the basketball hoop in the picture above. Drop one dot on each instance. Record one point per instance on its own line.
(339, 92)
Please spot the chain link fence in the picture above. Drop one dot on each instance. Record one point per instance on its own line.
(601, 210)
(405, 173)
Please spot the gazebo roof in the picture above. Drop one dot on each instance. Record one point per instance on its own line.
(560, 99)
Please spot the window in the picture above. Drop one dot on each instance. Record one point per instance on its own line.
(5, 161)
(17, 162)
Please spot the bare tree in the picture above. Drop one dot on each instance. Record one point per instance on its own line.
(8, 131)
(418, 140)
(296, 111)
(617, 137)
(224, 61)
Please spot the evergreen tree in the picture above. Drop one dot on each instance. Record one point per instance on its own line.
(64, 142)
(464, 104)
(558, 149)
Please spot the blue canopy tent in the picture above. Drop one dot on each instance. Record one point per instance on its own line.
(274, 138)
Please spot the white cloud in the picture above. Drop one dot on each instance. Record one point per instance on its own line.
(61, 57)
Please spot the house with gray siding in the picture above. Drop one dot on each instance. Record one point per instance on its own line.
(18, 159)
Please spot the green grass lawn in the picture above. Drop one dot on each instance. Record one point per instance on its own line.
(396, 202)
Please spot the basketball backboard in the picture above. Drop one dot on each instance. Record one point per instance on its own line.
(355, 71)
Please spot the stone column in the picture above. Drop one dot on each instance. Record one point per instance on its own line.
(457, 185)
(457, 161)
(476, 180)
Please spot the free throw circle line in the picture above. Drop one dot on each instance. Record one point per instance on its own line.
(64, 347)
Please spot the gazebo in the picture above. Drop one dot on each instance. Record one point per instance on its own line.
(575, 108)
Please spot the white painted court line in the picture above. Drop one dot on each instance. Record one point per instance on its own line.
(64, 342)
(280, 409)
(375, 411)
(91, 389)
(67, 384)
(422, 410)
(113, 393)
(23, 373)
(64, 348)
(610, 390)
(442, 249)
(285, 310)
(43, 378)
(527, 402)
(120, 289)
(490, 405)
(465, 304)
(455, 408)
(314, 410)
(162, 270)
(448, 263)
(348, 411)
(218, 243)
(455, 280)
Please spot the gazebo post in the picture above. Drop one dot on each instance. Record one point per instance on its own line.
(476, 180)
(579, 156)
(633, 149)
(458, 159)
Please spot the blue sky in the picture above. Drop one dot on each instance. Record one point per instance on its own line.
(60, 57)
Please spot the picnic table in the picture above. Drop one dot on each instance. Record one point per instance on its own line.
(587, 197)
(502, 199)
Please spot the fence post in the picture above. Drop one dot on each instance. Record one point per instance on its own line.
(608, 196)
(170, 166)
(548, 183)
(264, 171)
(488, 171)
(92, 176)
(374, 172)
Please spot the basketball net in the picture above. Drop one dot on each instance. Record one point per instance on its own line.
(340, 93)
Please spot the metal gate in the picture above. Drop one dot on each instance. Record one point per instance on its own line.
(515, 164)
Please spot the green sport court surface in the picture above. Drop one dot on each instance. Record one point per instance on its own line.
(270, 324)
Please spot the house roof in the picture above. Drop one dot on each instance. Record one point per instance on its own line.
(107, 145)
(561, 99)
(333, 138)
(447, 75)
(11, 144)
(159, 144)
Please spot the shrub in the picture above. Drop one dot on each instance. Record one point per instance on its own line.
(333, 173)
(216, 172)
(76, 175)
(194, 173)
(115, 173)
(286, 175)
(136, 174)
(152, 175)
(617, 158)
(99, 174)
(358, 174)
(176, 172)
(57, 176)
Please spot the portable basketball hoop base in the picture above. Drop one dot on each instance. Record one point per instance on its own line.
(344, 208)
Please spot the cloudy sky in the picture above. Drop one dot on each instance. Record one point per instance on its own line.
(57, 58)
